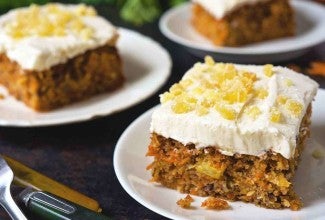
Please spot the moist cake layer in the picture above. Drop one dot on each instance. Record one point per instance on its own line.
(242, 109)
(39, 37)
(220, 8)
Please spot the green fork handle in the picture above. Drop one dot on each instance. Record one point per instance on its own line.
(46, 206)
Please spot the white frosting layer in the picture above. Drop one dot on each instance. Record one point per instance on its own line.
(40, 53)
(219, 8)
(243, 135)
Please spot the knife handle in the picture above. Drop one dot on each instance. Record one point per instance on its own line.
(46, 206)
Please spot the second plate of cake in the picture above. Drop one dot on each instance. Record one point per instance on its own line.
(146, 66)
(310, 31)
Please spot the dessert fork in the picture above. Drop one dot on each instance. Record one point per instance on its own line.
(6, 177)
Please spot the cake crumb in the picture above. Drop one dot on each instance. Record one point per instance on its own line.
(318, 154)
(185, 203)
(2, 96)
(215, 203)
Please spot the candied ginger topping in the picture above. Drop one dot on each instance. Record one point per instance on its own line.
(295, 108)
(268, 70)
(253, 111)
(275, 115)
(217, 86)
(288, 82)
(223, 88)
(232, 91)
(244, 109)
(51, 20)
(261, 93)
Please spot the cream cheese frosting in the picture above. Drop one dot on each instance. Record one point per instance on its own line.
(39, 51)
(268, 118)
(219, 8)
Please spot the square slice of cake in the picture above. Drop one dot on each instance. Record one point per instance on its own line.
(56, 54)
(233, 131)
(240, 22)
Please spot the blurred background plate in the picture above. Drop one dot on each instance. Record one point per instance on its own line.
(146, 65)
(310, 17)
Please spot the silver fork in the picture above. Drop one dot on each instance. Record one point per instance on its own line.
(6, 177)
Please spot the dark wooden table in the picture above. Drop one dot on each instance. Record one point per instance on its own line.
(80, 155)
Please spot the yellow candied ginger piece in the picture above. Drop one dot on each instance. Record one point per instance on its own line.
(294, 107)
(268, 70)
(52, 8)
(180, 107)
(176, 89)
(50, 20)
(261, 93)
(184, 103)
(288, 82)
(210, 84)
(86, 33)
(187, 98)
(230, 70)
(84, 10)
(206, 84)
(186, 83)
(200, 111)
(211, 97)
(226, 112)
(197, 91)
(278, 179)
(238, 89)
(212, 170)
(253, 111)
(77, 25)
(166, 97)
(209, 60)
(248, 75)
(275, 115)
(222, 72)
(281, 99)
(206, 103)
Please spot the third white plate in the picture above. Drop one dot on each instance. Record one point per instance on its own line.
(310, 19)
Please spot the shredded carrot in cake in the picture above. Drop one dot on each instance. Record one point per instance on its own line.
(185, 202)
(215, 203)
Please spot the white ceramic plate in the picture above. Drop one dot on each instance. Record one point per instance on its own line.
(146, 66)
(310, 18)
(130, 167)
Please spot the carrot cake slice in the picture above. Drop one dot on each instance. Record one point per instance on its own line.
(233, 131)
(56, 54)
(240, 22)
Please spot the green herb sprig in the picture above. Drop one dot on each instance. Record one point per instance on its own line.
(136, 12)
